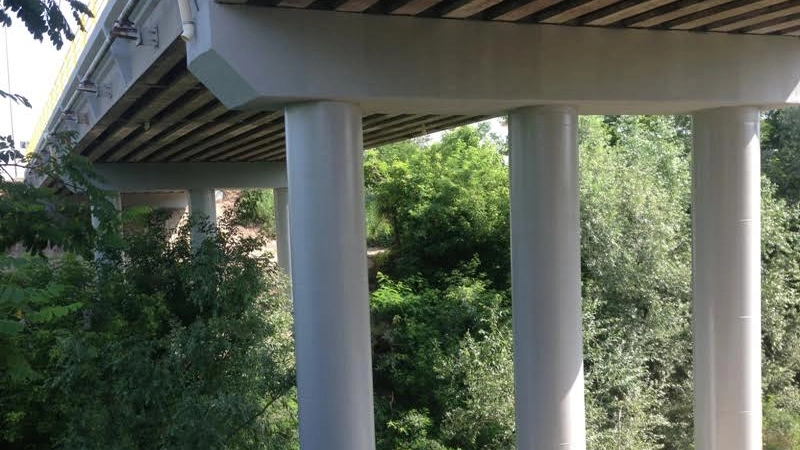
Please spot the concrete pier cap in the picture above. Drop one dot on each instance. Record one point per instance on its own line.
(257, 58)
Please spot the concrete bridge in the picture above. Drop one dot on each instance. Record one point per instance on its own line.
(201, 94)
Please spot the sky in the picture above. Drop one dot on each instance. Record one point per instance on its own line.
(27, 67)
(32, 67)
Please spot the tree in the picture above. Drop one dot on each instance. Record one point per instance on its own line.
(254, 208)
(173, 348)
(480, 392)
(636, 272)
(170, 347)
(636, 269)
(38, 219)
(45, 17)
(419, 370)
(780, 152)
(446, 203)
(780, 225)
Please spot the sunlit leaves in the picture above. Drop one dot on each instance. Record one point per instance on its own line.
(445, 202)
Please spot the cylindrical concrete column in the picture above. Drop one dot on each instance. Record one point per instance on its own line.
(280, 203)
(546, 279)
(202, 206)
(329, 276)
(726, 279)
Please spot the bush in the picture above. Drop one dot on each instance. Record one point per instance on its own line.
(416, 330)
(174, 348)
(254, 208)
(379, 230)
(781, 427)
(445, 203)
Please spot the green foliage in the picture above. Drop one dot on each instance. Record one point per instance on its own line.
(780, 152)
(636, 272)
(39, 219)
(175, 349)
(780, 226)
(180, 348)
(636, 257)
(254, 208)
(54, 288)
(480, 387)
(35, 294)
(379, 230)
(446, 203)
(781, 425)
(415, 330)
(410, 432)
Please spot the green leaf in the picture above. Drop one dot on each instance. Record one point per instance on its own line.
(10, 327)
(50, 313)
(12, 295)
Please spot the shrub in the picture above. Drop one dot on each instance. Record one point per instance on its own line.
(379, 230)
(254, 208)
(781, 427)
(445, 203)
(174, 347)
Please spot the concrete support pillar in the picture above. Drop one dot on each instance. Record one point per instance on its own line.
(280, 203)
(202, 206)
(546, 279)
(727, 279)
(329, 276)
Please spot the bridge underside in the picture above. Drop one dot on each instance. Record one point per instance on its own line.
(162, 112)
(778, 17)
(167, 115)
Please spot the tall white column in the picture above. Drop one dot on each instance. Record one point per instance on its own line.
(726, 266)
(546, 279)
(280, 203)
(202, 206)
(329, 276)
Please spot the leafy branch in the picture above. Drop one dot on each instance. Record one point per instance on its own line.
(16, 98)
(45, 17)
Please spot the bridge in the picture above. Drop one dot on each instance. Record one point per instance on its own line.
(201, 94)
